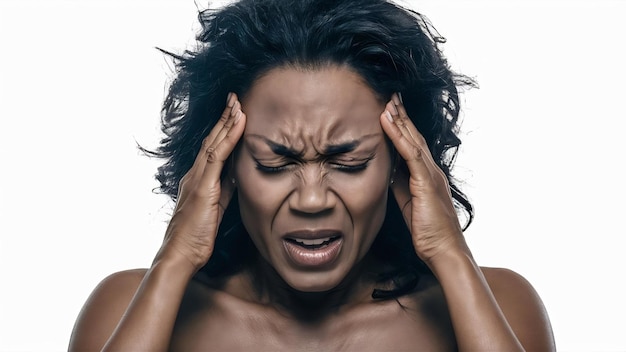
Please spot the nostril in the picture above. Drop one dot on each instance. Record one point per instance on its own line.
(311, 200)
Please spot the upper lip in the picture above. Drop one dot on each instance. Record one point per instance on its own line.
(312, 234)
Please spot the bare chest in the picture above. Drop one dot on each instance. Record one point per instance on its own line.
(240, 326)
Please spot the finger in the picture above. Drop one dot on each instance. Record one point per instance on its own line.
(231, 103)
(412, 134)
(208, 142)
(222, 147)
(412, 153)
(407, 126)
(228, 124)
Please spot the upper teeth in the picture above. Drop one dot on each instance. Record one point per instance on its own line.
(314, 242)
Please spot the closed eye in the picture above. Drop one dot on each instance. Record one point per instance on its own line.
(349, 168)
(352, 165)
(272, 169)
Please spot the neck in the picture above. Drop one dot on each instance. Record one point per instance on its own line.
(270, 289)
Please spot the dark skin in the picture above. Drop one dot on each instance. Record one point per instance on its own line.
(283, 304)
(207, 313)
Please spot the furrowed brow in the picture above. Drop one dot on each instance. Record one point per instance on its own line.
(280, 149)
(329, 150)
(342, 148)
(283, 150)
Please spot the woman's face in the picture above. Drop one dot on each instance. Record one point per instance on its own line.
(312, 173)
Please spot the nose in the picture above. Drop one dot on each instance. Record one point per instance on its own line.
(312, 195)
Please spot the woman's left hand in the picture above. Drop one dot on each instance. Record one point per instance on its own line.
(424, 194)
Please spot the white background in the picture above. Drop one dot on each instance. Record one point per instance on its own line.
(542, 160)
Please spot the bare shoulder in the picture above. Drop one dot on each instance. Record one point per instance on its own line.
(104, 309)
(522, 307)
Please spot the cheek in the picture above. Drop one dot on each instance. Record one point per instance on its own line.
(259, 197)
(365, 197)
(366, 203)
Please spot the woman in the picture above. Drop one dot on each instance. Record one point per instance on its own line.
(308, 147)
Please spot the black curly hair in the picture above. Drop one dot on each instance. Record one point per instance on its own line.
(393, 48)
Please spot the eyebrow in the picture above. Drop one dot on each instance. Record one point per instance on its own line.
(330, 149)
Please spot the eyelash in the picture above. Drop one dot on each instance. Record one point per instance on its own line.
(350, 168)
(336, 166)
(271, 169)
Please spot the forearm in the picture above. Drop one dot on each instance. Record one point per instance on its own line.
(149, 319)
(478, 321)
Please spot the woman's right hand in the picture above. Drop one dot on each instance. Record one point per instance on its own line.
(136, 310)
(202, 195)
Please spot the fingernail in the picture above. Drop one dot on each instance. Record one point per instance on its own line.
(237, 117)
(389, 117)
(400, 97)
(231, 99)
(230, 94)
(395, 110)
(396, 99)
(235, 106)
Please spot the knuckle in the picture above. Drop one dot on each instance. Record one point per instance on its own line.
(224, 118)
(228, 124)
(211, 155)
(401, 122)
(417, 153)
(206, 143)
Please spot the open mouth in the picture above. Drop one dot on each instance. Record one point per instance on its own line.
(313, 244)
(318, 252)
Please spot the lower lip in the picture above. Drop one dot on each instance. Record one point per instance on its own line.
(313, 257)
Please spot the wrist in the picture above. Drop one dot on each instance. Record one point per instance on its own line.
(171, 260)
(454, 260)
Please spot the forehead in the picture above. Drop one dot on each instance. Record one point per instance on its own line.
(298, 106)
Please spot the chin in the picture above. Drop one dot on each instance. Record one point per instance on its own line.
(313, 282)
(312, 286)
